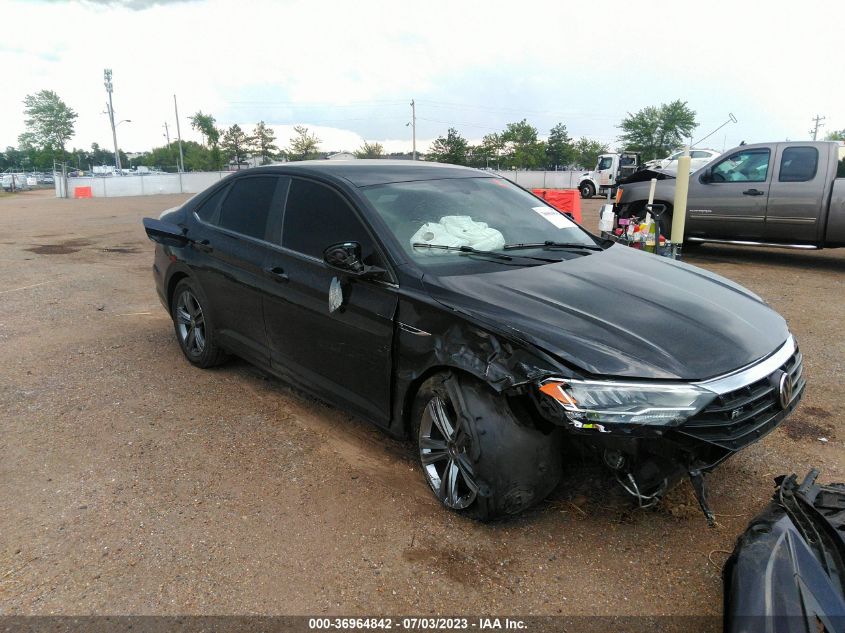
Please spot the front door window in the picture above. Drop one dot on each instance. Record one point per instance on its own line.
(743, 166)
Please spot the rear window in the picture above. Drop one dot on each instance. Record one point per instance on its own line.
(798, 164)
(207, 210)
(247, 207)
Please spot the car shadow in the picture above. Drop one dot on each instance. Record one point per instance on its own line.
(785, 258)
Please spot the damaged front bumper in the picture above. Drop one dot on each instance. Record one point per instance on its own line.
(676, 428)
(787, 572)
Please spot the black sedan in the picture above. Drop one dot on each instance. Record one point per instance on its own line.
(451, 306)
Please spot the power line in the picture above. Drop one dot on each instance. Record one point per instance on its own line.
(454, 123)
(496, 109)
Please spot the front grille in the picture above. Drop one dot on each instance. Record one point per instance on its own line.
(739, 417)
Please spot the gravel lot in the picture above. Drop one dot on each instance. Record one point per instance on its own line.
(131, 482)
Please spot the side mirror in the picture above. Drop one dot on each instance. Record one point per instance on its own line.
(707, 175)
(346, 257)
(165, 233)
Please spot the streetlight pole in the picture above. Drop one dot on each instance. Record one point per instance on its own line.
(414, 128)
(179, 136)
(109, 87)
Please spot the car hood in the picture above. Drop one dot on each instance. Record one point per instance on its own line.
(787, 568)
(622, 312)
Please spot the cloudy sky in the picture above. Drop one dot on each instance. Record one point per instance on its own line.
(348, 69)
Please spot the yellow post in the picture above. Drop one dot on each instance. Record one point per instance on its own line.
(679, 210)
(650, 200)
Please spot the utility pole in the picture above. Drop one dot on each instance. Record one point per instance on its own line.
(818, 121)
(179, 136)
(167, 134)
(414, 128)
(108, 84)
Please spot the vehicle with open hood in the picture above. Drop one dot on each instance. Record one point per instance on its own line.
(788, 194)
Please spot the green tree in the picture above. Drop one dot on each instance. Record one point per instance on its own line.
(838, 135)
(370, 150)
(523, 149)
(451, 148)
(49, 123)
(587, 152)
(264, 143)
(303, 144)
(235, 144)
(12, 159)
(205, 124)
(656, 130)
(197, 157)
(560, 150)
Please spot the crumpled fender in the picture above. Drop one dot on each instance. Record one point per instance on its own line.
(432, 337)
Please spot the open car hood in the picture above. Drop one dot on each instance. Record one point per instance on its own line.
(645, 175)
(622, 312)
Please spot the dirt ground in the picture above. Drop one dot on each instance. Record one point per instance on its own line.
(131, 482)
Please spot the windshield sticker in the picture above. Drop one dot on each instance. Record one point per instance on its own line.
(556, 218)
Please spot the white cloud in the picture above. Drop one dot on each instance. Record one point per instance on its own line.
(290, 62)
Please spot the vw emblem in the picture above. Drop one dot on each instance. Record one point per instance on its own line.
(784, 390)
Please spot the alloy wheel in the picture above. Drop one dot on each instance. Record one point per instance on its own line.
(190, 323)
(443, 445)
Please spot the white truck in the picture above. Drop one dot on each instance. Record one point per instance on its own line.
(610, 168)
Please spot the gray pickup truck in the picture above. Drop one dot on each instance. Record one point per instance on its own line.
(778, 194)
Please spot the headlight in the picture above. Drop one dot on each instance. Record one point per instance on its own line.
(595, 403)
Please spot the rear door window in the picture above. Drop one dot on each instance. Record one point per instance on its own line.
(798, 164)
(247, 207)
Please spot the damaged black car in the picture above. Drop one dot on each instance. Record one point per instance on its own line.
(448, 305)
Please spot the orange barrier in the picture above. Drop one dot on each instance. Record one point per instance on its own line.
(82, 192)
(567, 201)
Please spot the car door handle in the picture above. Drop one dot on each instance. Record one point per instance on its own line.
(753, 192)
(277, 272)
(204, 246)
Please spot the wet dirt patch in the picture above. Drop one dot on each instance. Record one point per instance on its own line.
(62, 248)
(817, 412)
(456, 564)
(799, 427)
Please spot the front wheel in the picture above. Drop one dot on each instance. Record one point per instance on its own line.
(477, 457)
(587, 190)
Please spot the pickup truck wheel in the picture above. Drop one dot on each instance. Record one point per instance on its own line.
(477, 457)
(587, 190)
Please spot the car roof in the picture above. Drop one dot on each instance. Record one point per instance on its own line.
(363, 172)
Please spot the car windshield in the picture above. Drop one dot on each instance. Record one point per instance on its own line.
(467, 224)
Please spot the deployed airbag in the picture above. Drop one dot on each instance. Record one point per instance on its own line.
(456, 231)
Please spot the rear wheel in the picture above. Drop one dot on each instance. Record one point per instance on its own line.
(193, 326)
(587, 190)
(476, 456)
